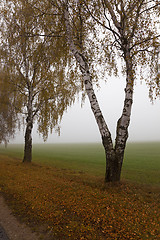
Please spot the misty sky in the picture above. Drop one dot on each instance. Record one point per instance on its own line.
(79, 125)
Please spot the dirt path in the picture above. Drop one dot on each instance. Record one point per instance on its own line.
(14, 229)
(3, 235)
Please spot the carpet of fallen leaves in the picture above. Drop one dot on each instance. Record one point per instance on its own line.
(73, 205)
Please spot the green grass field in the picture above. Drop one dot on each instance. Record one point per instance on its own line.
(141, 163)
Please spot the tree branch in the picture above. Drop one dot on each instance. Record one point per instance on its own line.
(114, 18)
(148, 9)
(101, 23)
(136, 19)
(145, 40)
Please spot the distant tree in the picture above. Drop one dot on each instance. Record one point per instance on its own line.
(8, 116)
(39, 61)
(129, 32)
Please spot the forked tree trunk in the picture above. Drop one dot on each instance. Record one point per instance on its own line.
(114, 156)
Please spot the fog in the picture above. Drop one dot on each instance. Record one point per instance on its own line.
(79, 125)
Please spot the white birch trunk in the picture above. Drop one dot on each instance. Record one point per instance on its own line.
(123, 122)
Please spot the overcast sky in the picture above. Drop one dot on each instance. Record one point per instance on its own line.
(79, 125)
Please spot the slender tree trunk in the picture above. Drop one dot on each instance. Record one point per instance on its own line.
(124, 121)
(28, 133)
(28, 142)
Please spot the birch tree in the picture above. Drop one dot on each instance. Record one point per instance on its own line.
(129, 32)
(38, 60)
(135, 39)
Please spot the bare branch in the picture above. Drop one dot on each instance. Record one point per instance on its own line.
(150, 8)
(142, 50)
(114, 18)
(143, 41)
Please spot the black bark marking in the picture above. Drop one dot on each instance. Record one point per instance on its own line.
(94, 96)
(122, 127)
(105, 142)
